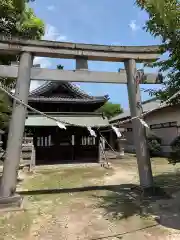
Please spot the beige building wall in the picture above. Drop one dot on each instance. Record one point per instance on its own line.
(167, 133)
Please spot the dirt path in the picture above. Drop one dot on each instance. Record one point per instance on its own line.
(82, 219)
(85, 221)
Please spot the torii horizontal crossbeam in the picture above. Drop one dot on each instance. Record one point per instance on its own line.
(69, 50)
(42, 74)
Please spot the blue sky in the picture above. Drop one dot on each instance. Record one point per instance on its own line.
(95, 21)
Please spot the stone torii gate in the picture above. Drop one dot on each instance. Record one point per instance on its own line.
(82, 53)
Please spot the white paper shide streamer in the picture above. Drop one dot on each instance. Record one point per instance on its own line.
(61, 125)
(143, 123)
(91, 131)
(116, 130)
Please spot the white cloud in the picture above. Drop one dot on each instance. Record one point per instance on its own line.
(45, 63)
(116, 44)
(51, 34)
(51, 8)
(61, 38)
(133, 25)
(35, 84)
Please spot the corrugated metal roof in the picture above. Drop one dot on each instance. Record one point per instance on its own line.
(147, 106)
(83, 120)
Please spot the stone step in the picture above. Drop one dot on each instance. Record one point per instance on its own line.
(110, 154)
(14, 201)
(12, 209)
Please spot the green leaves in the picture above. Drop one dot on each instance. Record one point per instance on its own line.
(60, 67)
(16, 20)
(110, 109)
(164, 22)
(5, 110)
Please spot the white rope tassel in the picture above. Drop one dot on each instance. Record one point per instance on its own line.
(116, 130)
(91, 131)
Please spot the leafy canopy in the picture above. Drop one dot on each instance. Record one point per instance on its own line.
(17, 19)
(110, 109)
(164, 22)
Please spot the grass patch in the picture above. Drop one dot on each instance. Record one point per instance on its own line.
(64, 178)
(55, 180)
(49, 190)
(15, 225)
(18, 224)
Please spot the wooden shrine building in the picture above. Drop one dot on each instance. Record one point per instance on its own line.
(66, 102)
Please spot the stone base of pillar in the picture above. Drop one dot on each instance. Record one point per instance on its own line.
(121, 153)
(11, 202)
(153, 192)
(120, 147)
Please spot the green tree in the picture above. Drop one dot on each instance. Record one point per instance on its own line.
(5, 110)
(17, 19)
(110, 109)
(164, 22)
(60, 67)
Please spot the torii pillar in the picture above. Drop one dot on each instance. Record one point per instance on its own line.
(16, 129)
(139, 133)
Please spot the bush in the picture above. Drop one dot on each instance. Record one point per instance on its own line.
(154, 145)
(175, 151)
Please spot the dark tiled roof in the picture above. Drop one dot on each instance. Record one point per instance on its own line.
(66, 99)
(80, 95)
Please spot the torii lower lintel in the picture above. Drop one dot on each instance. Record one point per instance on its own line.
(55, 75)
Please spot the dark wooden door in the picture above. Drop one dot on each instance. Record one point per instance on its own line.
(86, 149)
(54, 148)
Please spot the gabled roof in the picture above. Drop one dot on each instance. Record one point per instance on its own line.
(79, 95)
(146, 105)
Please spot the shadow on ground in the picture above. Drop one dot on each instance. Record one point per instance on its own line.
(121, 235)
(125, 200)
(165, 209)
(76, 190)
